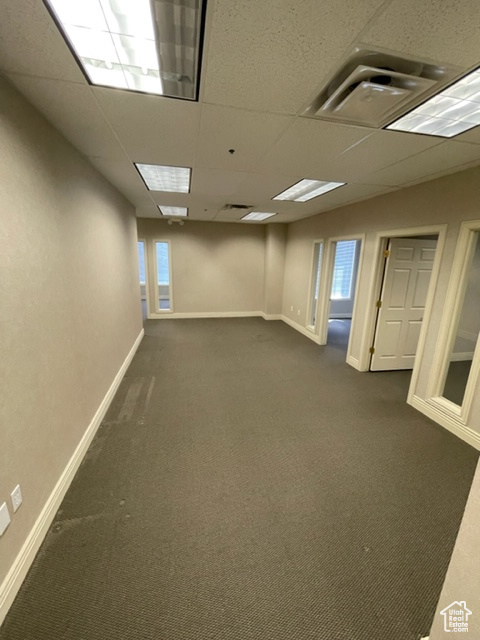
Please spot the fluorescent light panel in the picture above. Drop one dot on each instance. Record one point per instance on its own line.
(178, 212)
(307, 189)
(450, 112)
(258, 216)
(114, 40)
(163, 178)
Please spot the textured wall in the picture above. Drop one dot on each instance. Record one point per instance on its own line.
(216, 267)
(449, 200)
(275, 241)
(69, 305)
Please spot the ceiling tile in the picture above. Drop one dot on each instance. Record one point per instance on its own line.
(307, 147)
(148, 212)
(257, 188)
(250, 134)
(273, 58)
(434, 29)
(31, 43)
(216, 184)
(123, 175)
(472, 136)
(444, 158)
(153, 129)
(377, 151)
(73, 110)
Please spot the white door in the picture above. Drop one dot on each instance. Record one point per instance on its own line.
(405, 286)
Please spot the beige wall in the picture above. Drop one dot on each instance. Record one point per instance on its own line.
(69, 305)
(275, 243)
(216, 267)
(448, 201)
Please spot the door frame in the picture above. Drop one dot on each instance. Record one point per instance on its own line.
(157, 311)
(326, 281)
(450, 315)
(147, 279)
(311, 289)
(375, 286)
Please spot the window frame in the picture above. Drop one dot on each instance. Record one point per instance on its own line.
(156, 241)
(317, 265)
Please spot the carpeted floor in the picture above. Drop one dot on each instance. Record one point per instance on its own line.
(247, 484)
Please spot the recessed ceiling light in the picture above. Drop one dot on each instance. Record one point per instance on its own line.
(115, 43)
(450, 112)
(306, 190)
(162, 178)
(258, 216)
(181, 212)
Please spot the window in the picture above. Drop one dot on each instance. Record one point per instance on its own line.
(343, 270)
(316, 272)
(141, 262)
(162, 264)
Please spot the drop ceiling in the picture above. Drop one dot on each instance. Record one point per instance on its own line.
(263, 65)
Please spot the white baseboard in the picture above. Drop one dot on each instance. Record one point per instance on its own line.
(13, 581)
(449, 422)
(271, 316)
(303, 330)
(207, 314)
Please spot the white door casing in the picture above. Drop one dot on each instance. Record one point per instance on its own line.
(405, 287)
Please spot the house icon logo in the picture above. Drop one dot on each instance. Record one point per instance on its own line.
(455, 617)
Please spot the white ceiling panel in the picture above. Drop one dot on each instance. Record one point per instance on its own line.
(262, 64)
(472, 136)
(73, 110)
(250, 134)
(123, 175)
(379, 150)
(148, 211)
(444, 158)
(30, 43)
(223, 184)
(153, 129)
(272, 57)
(262, 188)
(350, 193)
(306, 149)
(445, 31)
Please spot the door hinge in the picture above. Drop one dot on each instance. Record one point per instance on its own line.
(372, 350)
(386, 253)
(378, 304)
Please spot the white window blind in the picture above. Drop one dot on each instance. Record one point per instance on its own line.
(141, 262)
(163, 270)
(343, 270)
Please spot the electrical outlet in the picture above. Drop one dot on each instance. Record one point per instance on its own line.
(17, 499)
(4, 518)
(298, 312)
(291, 308)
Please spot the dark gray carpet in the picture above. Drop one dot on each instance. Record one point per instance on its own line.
(248, 484)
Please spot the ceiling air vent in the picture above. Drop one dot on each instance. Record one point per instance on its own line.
(237, 207)
(373, 88)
